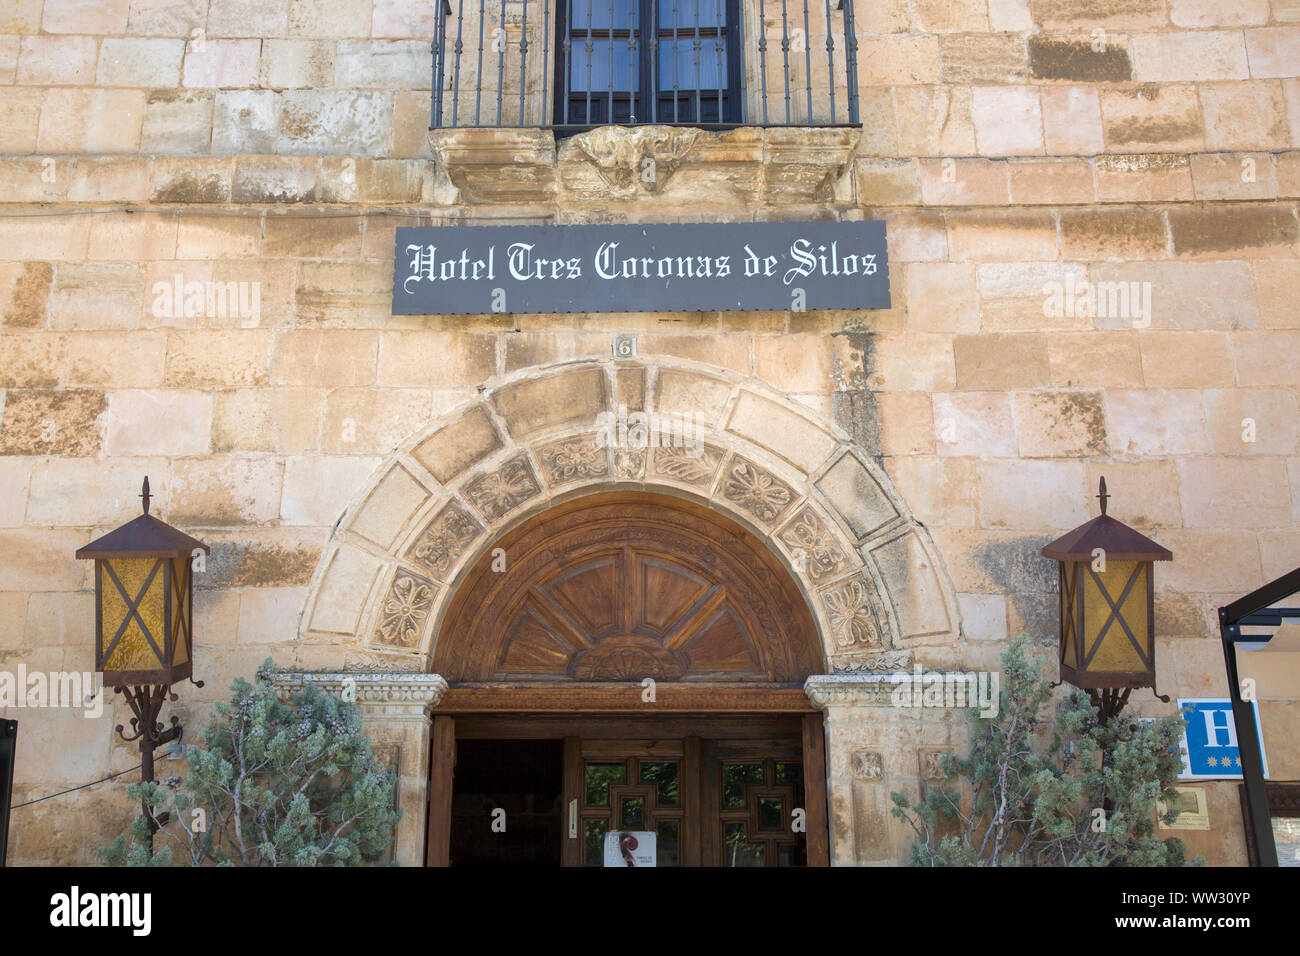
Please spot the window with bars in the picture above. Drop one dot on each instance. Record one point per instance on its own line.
(648, 61)
(577, 64)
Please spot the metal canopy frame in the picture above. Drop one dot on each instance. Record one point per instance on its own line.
(1254, 610)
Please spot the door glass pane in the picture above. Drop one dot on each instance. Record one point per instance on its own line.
(685, 64)
(737, 851)
(624, 77)
(624, 13)
(633, 813)
(708, 13)
(789, 773)
(594, 847)
(664, 776)
(1286, 837)
(792, 854)
(769, 814)
(734, 778)
(599, 777)
(666, 852)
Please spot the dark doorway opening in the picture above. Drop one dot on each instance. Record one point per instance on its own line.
(523, 778)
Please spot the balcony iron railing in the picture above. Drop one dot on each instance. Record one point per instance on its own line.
(572, 65)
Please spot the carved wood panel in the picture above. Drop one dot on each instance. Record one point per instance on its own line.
(625, 586)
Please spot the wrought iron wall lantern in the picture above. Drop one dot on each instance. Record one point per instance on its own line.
(144, 623)
(1107, 608)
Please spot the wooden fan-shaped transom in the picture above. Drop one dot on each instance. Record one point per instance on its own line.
(625, 586)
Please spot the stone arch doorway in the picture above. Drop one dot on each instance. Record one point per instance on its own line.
(869, 573)
(636, 661)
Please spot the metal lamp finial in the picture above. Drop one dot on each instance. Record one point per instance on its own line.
(1102, 496)
(145, 496)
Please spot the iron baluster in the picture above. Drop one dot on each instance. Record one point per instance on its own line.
(717, 47)
(609, 79)
(478, 86)
(501, 61)
(675, 71)
(830, 59)
(699, 118)
(590, 47)
(851, 60)
(439, 67)
(546, 52)
(652, 36)
(455, 80)
(785, 56)
(523, 61)
(568, 63)
(632, 73)
(762, 56)
(807, 60)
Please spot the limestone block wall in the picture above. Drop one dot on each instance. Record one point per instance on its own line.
(1024, 155)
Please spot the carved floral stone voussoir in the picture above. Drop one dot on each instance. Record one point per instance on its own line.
(392, 694)
(498, 492)
(405, 609)
(444, 539)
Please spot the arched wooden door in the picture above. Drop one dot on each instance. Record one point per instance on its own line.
(660, 618)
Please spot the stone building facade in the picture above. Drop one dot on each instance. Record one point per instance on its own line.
(349, 466)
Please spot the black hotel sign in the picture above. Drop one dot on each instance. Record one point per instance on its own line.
(677, 267)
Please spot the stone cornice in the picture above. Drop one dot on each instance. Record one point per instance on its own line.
(378, 693)
(851, 690)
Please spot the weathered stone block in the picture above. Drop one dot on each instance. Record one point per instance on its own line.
(1186, 359)
(221, 63)
(1152, 117)
(1095, 234)
(337, 357)
(177, 122)
(1149, 177)
(856, 494)
(267, 179)
(1061, 424)
(57, 61)
(1202, 55)
(225, 491)
(942, 297)
(317, 489)
(335, 123)
(569, 396)
(248, 18)
(432, 359)
(372, 421)
(140, 61)
(1060, 58)
(1238, 231)
(24, 287)
(167, 422)
(788, 434)
(1234, 493)
(284, 420)
(971, 424)
(1002, 235)
(1072, 120)
(116, 359)
(31, 359)
(452, 449)
(47, 422)
(1156, 422)
(390, 506)
(999, 361)
(191, 181)
(245, 122)
(1245, 115)
(1008, 120)
(95, 295)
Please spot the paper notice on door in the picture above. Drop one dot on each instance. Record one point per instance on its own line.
(630, 848)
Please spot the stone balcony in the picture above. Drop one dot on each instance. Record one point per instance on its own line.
(747, 167)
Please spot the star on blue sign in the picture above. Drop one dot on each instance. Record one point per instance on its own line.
(1210, 738)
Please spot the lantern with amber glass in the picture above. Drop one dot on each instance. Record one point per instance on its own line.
(1107, 597)
(144, 622)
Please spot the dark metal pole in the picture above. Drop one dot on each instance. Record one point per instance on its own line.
(1252, 763)
(146, 703)
(8, 748)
